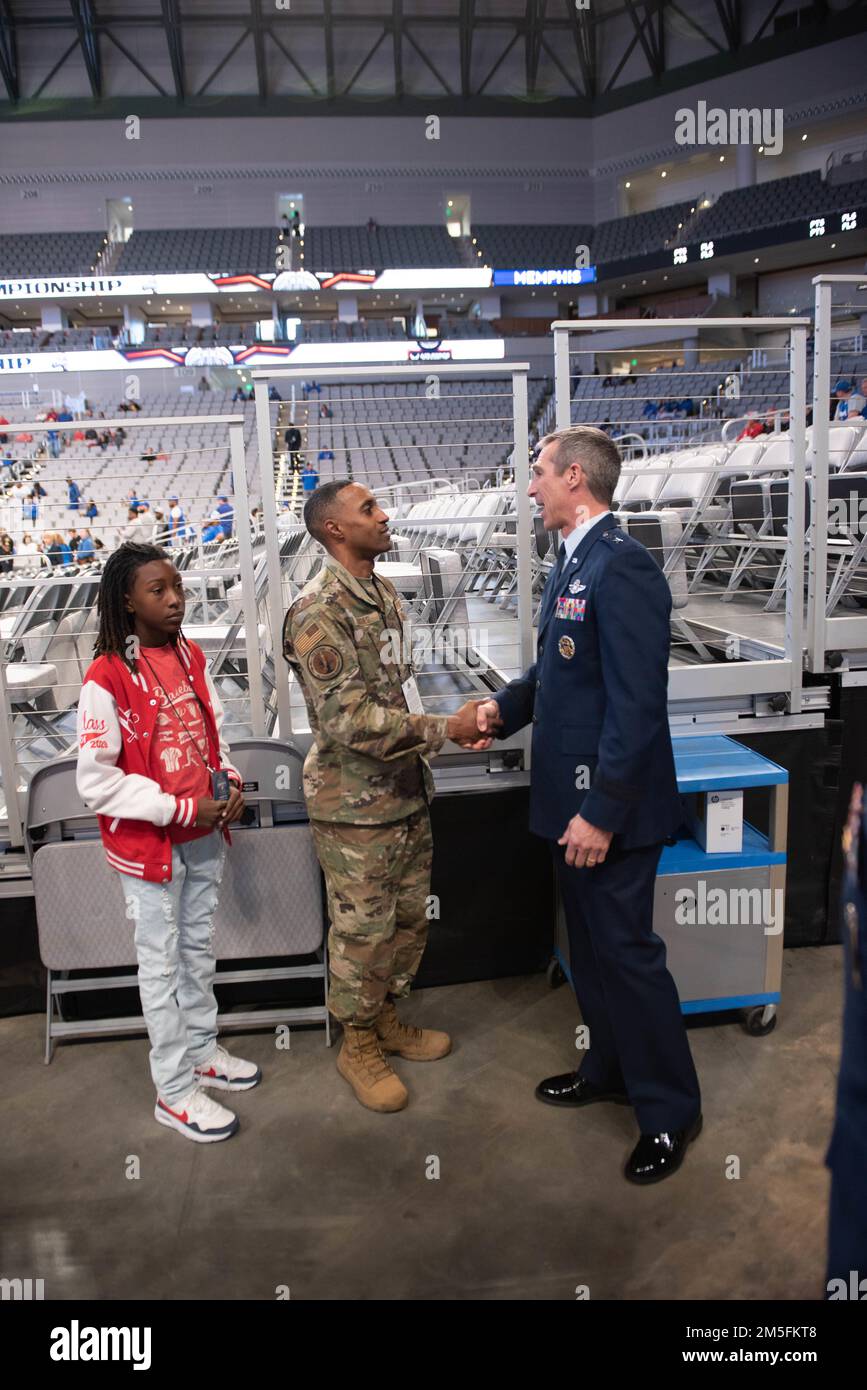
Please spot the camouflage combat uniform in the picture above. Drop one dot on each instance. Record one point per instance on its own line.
(367, 784)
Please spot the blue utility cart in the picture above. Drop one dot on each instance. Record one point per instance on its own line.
(724, 948)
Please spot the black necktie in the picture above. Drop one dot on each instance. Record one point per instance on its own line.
(561, 559)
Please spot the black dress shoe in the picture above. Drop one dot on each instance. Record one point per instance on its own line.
(571, 1089)
(657, 1156)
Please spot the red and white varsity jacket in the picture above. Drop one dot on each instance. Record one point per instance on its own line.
(117, 774)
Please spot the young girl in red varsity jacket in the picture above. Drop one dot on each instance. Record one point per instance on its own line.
(149, 741)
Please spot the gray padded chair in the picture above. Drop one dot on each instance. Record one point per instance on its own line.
(80, 910)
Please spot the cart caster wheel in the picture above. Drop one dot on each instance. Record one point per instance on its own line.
(555, 975)
(761, 1020)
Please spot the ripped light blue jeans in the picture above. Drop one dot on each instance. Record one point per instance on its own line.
(174, 935)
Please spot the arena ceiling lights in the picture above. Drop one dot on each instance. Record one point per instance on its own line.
(246, 57)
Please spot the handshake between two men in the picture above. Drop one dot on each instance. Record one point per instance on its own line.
(474, 724)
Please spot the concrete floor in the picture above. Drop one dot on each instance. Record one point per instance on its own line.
(318, 1194)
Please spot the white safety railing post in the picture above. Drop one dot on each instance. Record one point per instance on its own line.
(562, 385)
(795, 532)
(248, 578)
(272, 555)
(8, 769)
(522, 510)
(818, 572)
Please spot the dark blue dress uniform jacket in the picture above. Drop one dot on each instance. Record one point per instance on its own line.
(597, 695)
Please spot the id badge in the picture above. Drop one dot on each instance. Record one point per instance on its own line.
(412, 697)
(220, 787)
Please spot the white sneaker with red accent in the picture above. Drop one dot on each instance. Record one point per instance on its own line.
(198, 1117)
(223, 1072)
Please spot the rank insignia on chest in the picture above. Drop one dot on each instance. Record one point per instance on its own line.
(571, 609)
(576, 587)
(566, 648)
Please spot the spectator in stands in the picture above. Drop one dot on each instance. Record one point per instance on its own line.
(212, 530)
(607, 381)
(91, 436)
(72, 540)
(7, 550)
(38, 489)
(687, 407)
(104, 439)
(54, 547)
(325, 454)
(204, 384)
(86, 550)
(863, 410)
(225, 511)
(238, 393)
(9, 469)
(119, 436)
(650, 411)
(18, 491)
(28, 546)
(849, 401)
(149, 456)
(752, 429)
(325, 411)
(308, 387)
(74, 495)
(177, 521)
(135, 530)
(274, 394)
(371, 226)
(90, 510)
(65, 415)
(53, 443)
(146, 517)
(310, 478)
(4, 438)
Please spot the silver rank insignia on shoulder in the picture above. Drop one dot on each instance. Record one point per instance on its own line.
(576, 587)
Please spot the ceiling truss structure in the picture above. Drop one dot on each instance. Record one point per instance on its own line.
(569, 35)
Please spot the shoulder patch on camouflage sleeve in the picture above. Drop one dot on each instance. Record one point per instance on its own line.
(325, 663)
(308, 638)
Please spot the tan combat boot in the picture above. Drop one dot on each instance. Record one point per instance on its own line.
(361, 1063)
(416, 1044)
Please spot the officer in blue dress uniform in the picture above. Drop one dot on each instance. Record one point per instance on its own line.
(847, 1154)
(604, 794)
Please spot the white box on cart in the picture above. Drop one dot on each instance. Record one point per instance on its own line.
(717, 821)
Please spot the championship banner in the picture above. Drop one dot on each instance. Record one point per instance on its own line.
(255, 355)
(202, 284)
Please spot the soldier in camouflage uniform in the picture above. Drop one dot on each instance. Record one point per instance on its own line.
(368, 785)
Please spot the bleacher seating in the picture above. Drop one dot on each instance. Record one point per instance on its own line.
(355, 248)
(49, 253)
(230, 249)
(775, 201)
